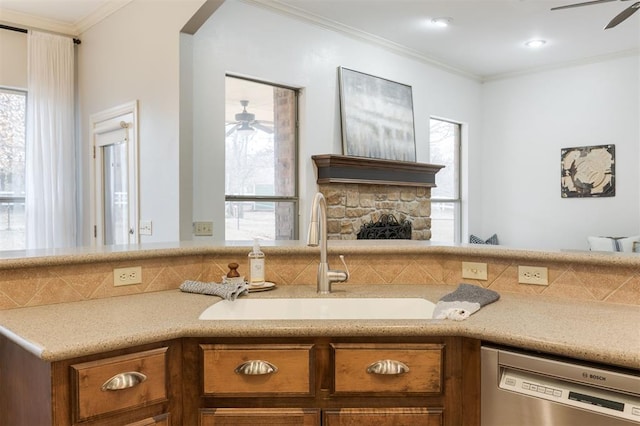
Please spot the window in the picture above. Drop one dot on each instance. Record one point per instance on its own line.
(261, 187)
(444, 149)
(12, 169)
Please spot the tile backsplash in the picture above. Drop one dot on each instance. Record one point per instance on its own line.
(42, 285)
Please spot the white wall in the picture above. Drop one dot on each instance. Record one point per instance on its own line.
(526, 122)
(251, 41)
(516, 126)
(134, 54)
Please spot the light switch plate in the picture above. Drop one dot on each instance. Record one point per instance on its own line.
(474, 271)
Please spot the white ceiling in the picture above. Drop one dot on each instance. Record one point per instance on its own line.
(70, 17)
(65, 11)
(486, 38)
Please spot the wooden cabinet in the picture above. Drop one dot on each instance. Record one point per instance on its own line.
(330, 381)
(135, 387)
(249, 381)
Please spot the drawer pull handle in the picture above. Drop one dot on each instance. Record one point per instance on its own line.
(124, 381)
(256, 367)
(388, 367)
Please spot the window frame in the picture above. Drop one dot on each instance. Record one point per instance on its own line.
(13, 199)
(457, 199)
(295, 198)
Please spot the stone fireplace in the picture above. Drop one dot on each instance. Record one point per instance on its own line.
(360, 190)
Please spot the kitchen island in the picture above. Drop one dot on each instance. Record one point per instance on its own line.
(57, 354)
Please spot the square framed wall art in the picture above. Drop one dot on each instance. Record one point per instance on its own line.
(588, 171)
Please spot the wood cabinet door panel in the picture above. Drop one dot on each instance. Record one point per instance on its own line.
(351, 361)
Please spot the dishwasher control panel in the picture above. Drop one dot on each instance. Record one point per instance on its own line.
(604, 401)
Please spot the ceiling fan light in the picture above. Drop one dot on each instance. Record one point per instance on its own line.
(535, 44)
(245, 130)
(442, 22)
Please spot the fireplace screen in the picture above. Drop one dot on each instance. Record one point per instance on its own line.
(386, 228)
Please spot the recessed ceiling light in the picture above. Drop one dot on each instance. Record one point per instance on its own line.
(442, 22)
(534, 44)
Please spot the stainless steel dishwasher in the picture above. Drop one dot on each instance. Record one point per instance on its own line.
(520, 389)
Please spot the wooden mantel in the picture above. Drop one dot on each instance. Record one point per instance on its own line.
(348, 169)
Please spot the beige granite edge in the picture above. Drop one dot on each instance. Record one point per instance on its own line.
(32, 258)
(598, 332)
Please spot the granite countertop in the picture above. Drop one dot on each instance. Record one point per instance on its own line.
(600, 332)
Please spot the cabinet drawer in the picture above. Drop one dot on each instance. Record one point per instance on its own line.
(387, 368)
(383, 417)
(258, 369)
(161, 420)
(260, 417)
(135, 380)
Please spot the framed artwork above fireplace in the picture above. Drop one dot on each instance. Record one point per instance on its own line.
(377, 117)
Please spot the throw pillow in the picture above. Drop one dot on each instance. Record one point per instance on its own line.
(492, 240)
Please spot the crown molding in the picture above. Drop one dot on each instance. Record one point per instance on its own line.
(29, 21)
(293, 12)
(562, 65)
(100, 14)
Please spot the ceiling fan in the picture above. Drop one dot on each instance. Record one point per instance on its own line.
(246, 122)
(616, 20)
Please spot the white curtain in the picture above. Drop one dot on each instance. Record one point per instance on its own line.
(50, 151)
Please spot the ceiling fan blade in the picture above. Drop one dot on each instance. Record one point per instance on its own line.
(587, 3)
(623, 15)
(232, 129)
(262, 127)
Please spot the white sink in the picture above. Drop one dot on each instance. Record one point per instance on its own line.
(319, 308)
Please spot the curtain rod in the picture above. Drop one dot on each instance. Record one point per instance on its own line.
(23, 30)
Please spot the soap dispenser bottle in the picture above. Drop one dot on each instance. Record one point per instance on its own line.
(256, 264)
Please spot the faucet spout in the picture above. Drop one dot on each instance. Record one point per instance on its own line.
(318, 236)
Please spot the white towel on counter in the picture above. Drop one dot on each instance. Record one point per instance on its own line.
(464, 301)
(228, 291)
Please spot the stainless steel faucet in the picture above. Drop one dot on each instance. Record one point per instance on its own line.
(318, 226)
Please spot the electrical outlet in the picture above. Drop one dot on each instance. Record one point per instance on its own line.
(474, 270)
(203, 229)
(127, 276)
(533, 275)
(145, 227)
